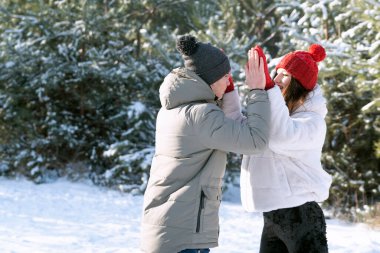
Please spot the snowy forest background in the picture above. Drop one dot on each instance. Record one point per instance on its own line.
(79, 83)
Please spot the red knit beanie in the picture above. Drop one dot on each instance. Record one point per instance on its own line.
(303, 66)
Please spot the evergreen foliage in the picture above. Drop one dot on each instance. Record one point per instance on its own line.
(79, 82)
(354, 129)
(73, 83)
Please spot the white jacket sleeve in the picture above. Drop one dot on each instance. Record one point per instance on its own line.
(303, 130)
(231, 106)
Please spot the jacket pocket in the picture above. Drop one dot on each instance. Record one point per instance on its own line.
(208, 212)
(200, 211)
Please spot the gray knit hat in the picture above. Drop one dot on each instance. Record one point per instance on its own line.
(207, 61)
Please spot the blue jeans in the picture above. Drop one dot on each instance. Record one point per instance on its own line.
(195, 251)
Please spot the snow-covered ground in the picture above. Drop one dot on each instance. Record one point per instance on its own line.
(79, 217)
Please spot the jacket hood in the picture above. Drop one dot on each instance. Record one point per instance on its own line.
(183, 86)
(315, 101)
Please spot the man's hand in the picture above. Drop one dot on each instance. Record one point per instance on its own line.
(268, 80)
(254, 71)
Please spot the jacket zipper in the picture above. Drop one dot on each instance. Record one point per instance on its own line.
(201, 206)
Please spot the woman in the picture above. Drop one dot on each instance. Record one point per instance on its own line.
(182, 199)
(287, 180)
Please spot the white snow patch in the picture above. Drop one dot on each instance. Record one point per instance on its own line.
(64, 217)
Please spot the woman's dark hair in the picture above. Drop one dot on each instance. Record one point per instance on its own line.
(294, 95)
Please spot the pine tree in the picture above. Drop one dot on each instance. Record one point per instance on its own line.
(60, 84)
(156, 23)
(354, 128)
(78, 77)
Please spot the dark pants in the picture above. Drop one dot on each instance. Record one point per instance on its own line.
(195, 251)
(294, 230)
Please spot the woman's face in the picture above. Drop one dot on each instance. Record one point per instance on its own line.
(220, 86)
(282, 78)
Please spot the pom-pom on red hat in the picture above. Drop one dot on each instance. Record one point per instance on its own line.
(303, 66)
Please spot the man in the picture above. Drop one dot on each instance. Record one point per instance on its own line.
(183, 195)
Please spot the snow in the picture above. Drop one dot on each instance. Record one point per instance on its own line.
(135, 109)
(80, 217)
(10, 64)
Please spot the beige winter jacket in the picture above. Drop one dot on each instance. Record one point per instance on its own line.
(183, 195)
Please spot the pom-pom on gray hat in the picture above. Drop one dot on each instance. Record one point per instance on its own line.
(207, 61)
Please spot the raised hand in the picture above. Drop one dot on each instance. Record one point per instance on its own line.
(268, 80)
(254, 71)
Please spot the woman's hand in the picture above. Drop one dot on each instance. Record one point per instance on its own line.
(231, 86)
(254, 71)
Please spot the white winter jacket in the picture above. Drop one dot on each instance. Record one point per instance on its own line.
(289, 173)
